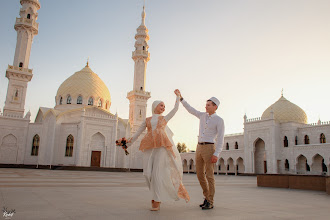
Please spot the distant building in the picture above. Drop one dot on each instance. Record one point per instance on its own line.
(280, 141)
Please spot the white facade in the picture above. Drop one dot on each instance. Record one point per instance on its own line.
(279, 142)
(79, 130)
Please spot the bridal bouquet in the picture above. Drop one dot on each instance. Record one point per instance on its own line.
(123, 144)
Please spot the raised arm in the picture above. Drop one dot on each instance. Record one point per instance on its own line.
(174, 110)
(138, 132)
(190, 109)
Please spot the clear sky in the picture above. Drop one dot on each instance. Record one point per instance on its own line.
(243, 52)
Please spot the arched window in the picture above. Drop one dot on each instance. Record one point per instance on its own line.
(285, 141)
(28, 16)
(35, 145)
(322, 139)
(143, 48)
(68, 100)
(296, 140)
(227, 146)
(287, 165)
(99, 104)
(69, 146)
(141, 88)
(90, 101)
(228, 167)
(306, 139)
(20, 64)
(61, 100)
(79, 100)
(236, 145)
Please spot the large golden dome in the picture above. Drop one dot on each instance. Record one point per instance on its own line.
(86, 86)
(285, 111)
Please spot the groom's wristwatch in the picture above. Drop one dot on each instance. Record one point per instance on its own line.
(181, 99)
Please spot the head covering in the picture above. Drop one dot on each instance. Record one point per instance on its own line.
(214, 100)
(154, 105)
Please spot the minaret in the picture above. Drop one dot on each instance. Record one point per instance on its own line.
(138, 97)
(19, 74)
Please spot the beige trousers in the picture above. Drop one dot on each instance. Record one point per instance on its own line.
(205, 170)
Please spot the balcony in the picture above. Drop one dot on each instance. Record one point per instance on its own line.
(29, 22)
(20, 69)
(142, 53)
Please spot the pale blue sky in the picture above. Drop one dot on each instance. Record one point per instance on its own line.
(243, 52)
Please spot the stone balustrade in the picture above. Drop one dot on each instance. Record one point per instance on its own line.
(27, 21)
(21, 69)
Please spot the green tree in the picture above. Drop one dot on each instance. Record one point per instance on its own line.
(182, 148)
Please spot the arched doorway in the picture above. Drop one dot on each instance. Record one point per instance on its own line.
(222, 168)
(191, 166)
(97, 147)
(302, 165)
(8, 149)
(260, 159)
(185, 166)
(317, 164)
(230, 166)
(240, 165)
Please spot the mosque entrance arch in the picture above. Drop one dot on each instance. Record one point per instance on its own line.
(97, 150)
(8, 149)
(260, 159)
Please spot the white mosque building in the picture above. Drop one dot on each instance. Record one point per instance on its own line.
(279, 142)
(81, 131)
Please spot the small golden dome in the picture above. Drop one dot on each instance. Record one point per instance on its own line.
(87, 84)
(285, 111)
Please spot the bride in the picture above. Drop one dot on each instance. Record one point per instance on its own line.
(162, 165)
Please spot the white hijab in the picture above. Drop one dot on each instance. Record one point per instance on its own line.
(154, 105)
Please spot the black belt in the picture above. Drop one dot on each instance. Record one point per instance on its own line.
(204, 143)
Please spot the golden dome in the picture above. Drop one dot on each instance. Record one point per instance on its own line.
(87, 84)
(285, 111)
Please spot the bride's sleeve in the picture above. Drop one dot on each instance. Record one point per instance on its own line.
(174, 110)
(139, 132)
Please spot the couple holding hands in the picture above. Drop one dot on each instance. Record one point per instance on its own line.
(162, 166)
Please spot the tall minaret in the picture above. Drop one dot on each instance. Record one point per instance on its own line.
(138, 97)
(19, 74)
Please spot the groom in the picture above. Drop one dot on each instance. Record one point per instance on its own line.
(210, 141)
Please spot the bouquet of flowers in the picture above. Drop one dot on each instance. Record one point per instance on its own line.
(123, 144)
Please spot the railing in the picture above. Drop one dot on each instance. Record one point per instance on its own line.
(139, 92)
(100, 116)
(140, 52)
(9, 115)
(27, 21)
(320, 123)
(235, 134)
(253, 119)
(19, 69)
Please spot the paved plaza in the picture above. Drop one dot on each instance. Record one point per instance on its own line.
(64, 195)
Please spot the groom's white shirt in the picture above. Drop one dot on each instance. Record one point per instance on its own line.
(211, 127)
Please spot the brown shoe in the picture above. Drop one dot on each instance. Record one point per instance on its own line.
(157, 208)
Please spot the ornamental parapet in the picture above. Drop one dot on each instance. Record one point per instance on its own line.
(26, 21)
(138, 92)
(2, 115)
(20, 69)
(253, 119)
(19, 73)
(235, 134)
(320, 123)
(139, 53)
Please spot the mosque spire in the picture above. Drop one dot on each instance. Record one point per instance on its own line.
(87, 64)
(282, 93)
(143, 15)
